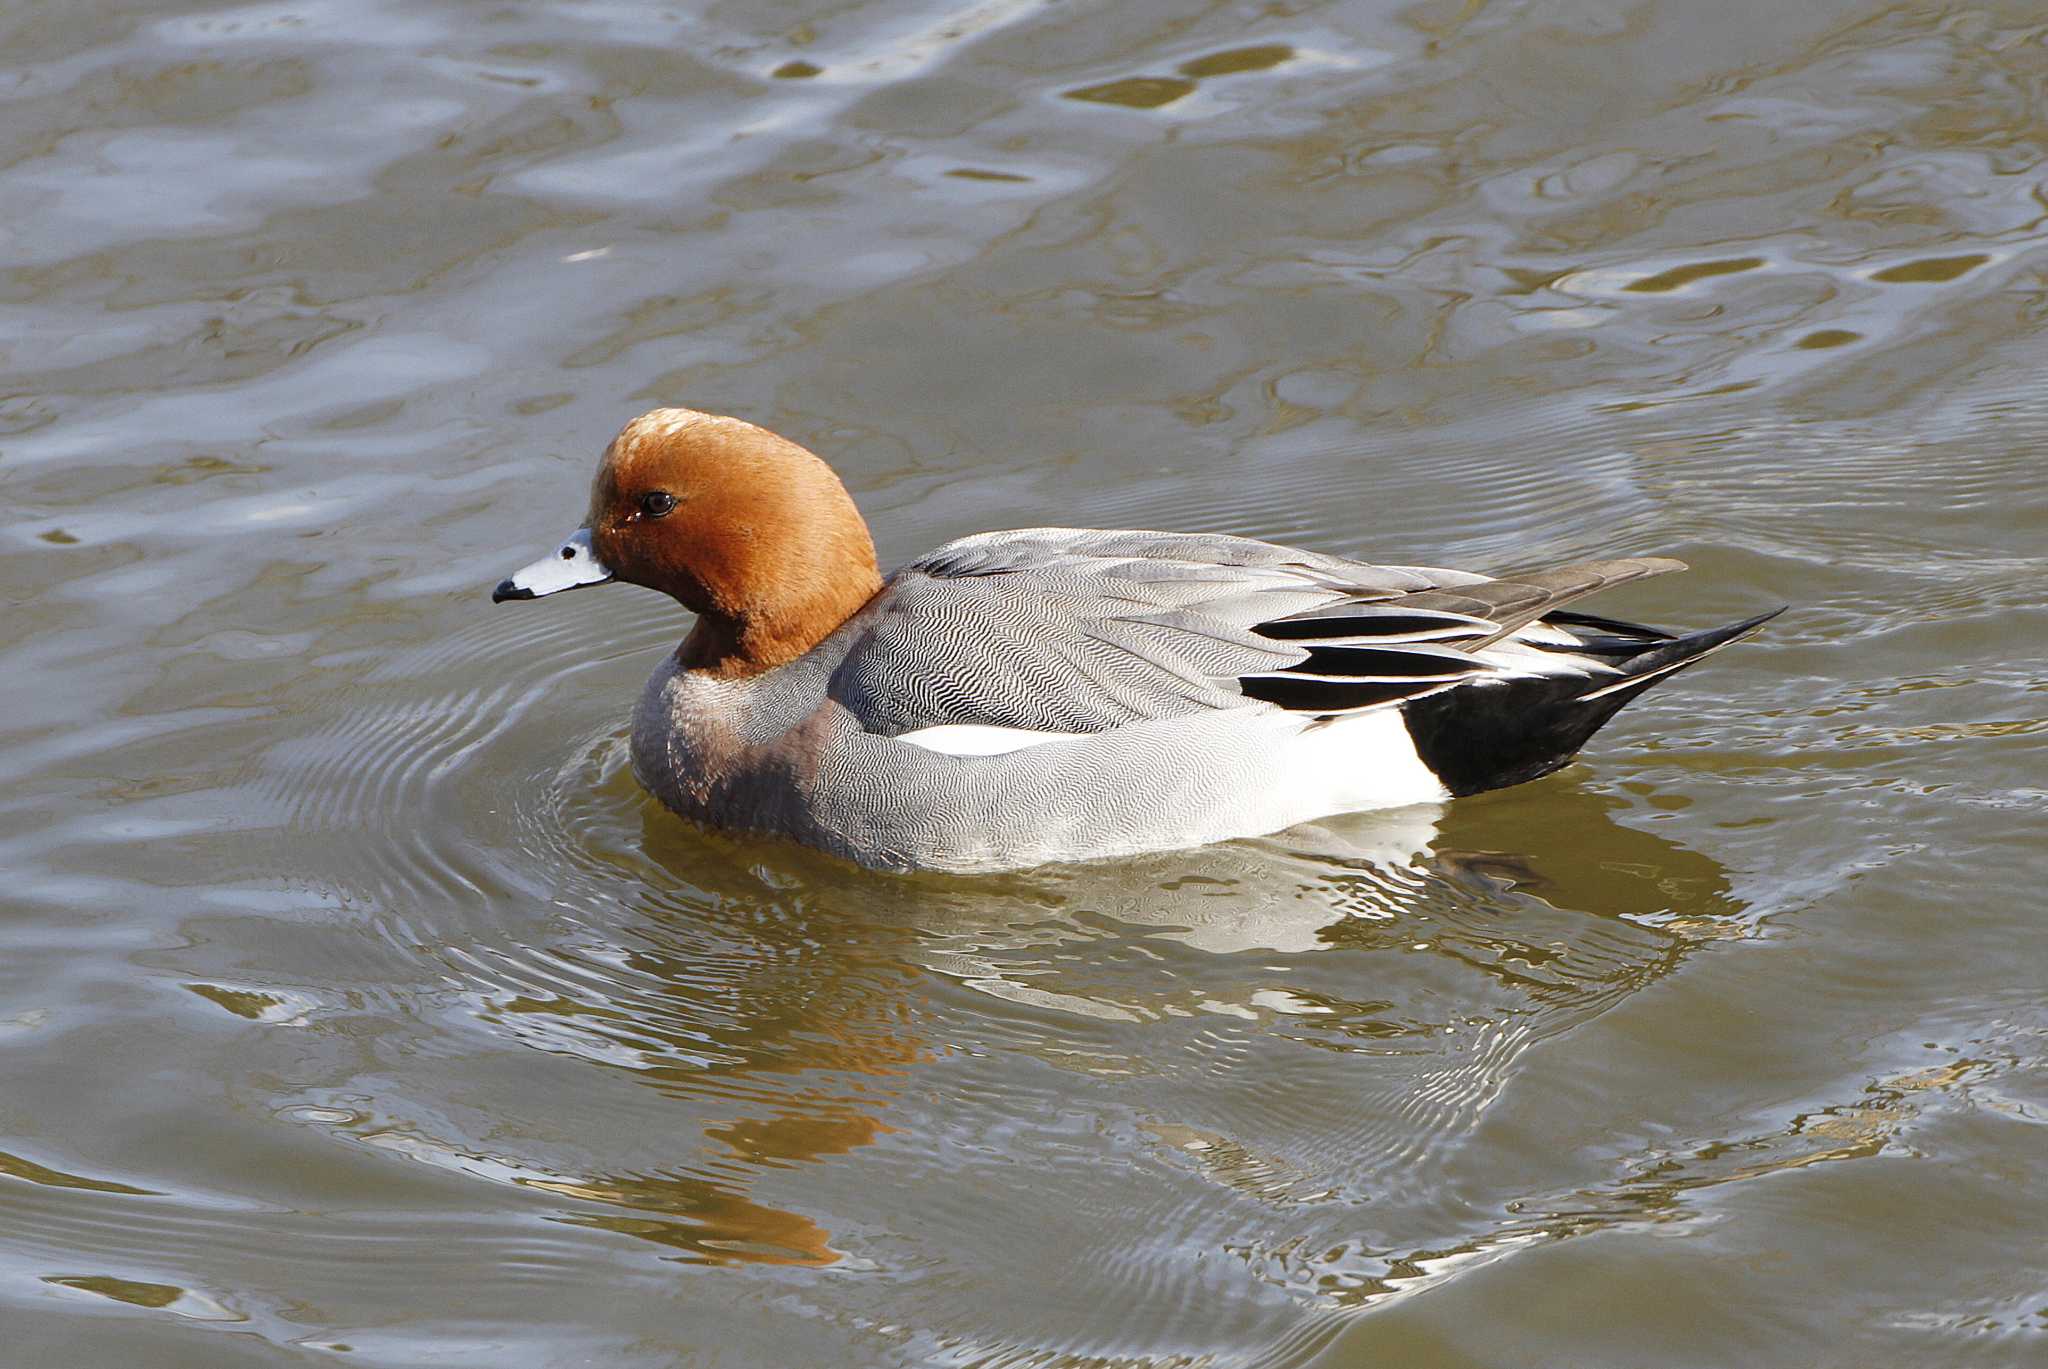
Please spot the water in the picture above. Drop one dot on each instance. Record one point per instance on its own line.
(355, 1004)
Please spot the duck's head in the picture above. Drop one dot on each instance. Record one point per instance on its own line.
(742, 527)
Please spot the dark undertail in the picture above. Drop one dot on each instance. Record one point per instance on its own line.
(1488, 736)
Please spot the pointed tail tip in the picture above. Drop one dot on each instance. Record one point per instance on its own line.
(1694, 645)
(1688, 649)
(1750, 625)
(1697, 646)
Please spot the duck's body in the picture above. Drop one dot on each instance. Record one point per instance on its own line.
(1053, 694)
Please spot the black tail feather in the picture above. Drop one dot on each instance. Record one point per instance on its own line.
(1488, 736)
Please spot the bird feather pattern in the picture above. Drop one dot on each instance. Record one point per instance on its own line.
(1080, 630)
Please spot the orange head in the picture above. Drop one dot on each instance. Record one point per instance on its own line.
(744, 528)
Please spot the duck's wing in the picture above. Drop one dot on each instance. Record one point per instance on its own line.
(1060, 630)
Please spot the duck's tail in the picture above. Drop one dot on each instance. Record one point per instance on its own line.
(1501, 732)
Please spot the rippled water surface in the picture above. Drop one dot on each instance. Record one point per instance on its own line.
(355, 1004)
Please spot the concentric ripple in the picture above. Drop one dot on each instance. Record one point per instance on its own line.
(1297, 1035)
(355, 1002)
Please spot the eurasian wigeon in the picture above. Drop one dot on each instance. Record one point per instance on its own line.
(1056, 694)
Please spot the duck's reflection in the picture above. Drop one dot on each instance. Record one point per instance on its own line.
(702, 1220)
(803, 1010)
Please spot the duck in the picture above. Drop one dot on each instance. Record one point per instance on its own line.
(1039, 695)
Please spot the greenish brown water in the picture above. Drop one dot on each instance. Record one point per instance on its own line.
(356, 1007)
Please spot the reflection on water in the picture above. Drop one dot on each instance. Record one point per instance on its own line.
(355, 1001)
(1310, 1024)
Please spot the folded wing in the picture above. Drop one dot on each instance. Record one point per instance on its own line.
(1075, 630)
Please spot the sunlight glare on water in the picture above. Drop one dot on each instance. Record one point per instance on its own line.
(356, 1002)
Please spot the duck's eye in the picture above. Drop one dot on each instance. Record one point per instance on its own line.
(657, 503)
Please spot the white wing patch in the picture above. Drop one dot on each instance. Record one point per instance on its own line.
(978, 739)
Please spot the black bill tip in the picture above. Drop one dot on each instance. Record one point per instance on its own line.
(507, 590)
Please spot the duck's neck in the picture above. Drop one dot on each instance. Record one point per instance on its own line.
(749, 639)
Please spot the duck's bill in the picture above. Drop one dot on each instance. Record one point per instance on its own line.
(572, 565)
